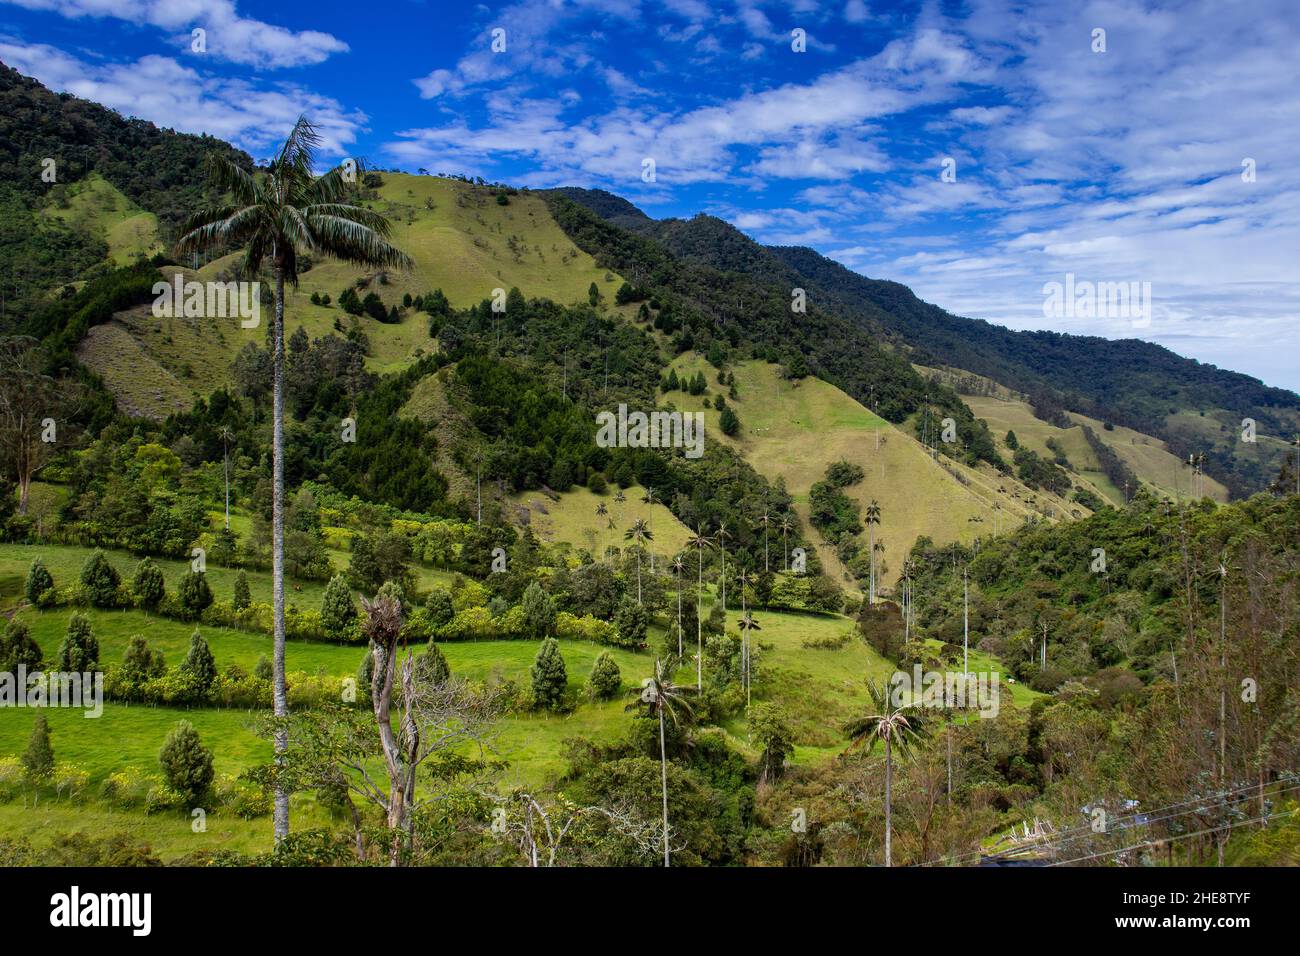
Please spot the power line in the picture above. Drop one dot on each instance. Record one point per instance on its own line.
(1155, 815)
(1182, 836)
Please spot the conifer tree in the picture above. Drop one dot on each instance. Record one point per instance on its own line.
(549, 676)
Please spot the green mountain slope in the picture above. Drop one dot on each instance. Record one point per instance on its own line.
(1129, 382)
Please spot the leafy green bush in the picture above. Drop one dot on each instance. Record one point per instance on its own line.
(338, 612)
(148, 584)
(605, 679)
(194, 595)
(38, 758)
(39, 581)
(186, 763)
(549, 678)
(100, 580)
(199, 664)
(80, 649)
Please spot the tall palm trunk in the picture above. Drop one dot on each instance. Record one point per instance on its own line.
(663, 769)
(699, 625)
(679, 614)
(638, 575)
(226, 472)
(889, 811)
(281, 698)
(871, 589)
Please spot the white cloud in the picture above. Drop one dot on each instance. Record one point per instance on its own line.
(159, 89)
(229, 36)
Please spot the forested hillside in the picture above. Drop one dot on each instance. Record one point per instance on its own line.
(158, 170)
(1128, 382)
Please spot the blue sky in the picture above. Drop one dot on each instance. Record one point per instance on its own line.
(1118, 166)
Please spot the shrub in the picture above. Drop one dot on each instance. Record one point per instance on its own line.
(124, 789)
(1048, 679)
(186, 763)
(18, 648)
(242, 598)
(539, 612)
(70, 780)
(586, 628)
(148, 584)
(39, 581)
(337, 612)
(438, 608)
(549, 678)
(38, 758)
(199, 664)
(432, 666)
(193, 595)
(11, 777)
(100, 580)
(606, 679)
(631, 620)
(80, 649)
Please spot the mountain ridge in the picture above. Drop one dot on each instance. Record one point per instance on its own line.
(1129, 382)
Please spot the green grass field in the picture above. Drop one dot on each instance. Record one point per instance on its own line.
(65, 561)
(795, 430)
(573, 518)
(819, 689)
(1150, 460)
(460, 239)
(100, 208)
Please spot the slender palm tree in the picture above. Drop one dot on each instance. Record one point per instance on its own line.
(274, 218)
(602, 512)
(873, 519)
(786, 525)
(897, 727)
(699, 543)
(722, 536)
(677, 574)
(747, 624)
(649, 499)
(660, 696)
(766, 519)
(638, 534)
(227, 436)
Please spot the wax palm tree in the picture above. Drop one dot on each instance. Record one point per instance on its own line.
(276, 217)
(677, 574)
(747, 624)
(786, 525)
(661, 697)
(699, 543)
(873, 519)
(649, 499)
(227, 436)
(897, 727)
(602, 512)
(638, 534)
(722, 536)
(766, 518)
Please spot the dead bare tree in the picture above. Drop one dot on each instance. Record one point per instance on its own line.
(539, 830)
(433, 716)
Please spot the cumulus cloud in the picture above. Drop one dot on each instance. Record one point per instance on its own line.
(229, 36)
(169, 94)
